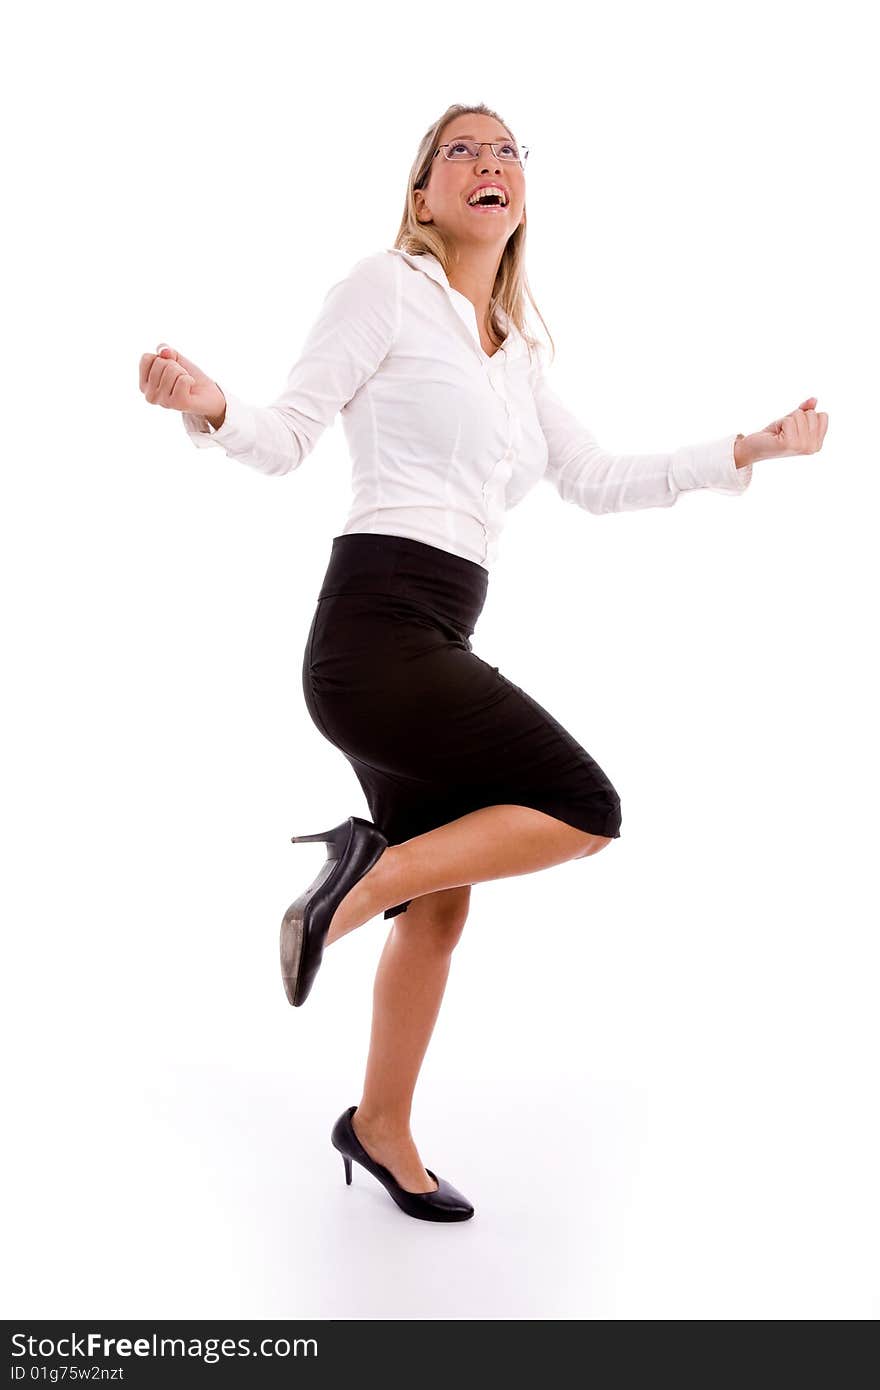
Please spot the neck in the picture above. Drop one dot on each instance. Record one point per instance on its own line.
(472, 272)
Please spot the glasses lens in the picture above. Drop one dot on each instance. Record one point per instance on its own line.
(461, 149)
(469, 149)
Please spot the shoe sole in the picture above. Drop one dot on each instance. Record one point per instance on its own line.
(293, 934)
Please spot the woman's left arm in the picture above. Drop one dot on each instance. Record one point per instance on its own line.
(586, 474)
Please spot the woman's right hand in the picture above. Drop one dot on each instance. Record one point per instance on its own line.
(170, 379)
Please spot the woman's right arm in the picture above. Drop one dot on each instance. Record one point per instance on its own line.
(352, 334)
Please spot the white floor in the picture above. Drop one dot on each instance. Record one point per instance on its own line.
(653, 1120)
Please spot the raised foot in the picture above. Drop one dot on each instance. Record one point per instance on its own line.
(363, 901)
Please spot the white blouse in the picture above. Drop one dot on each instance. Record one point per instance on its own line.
(443, 436)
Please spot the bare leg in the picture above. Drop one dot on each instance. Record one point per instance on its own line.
(494, 842)
(409, 987)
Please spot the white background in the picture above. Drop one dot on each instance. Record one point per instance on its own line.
(654, 1073)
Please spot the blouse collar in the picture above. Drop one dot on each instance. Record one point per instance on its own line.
(428, 263)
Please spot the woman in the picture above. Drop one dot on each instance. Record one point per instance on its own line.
(450, 422)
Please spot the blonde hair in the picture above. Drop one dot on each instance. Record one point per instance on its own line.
(511, 286)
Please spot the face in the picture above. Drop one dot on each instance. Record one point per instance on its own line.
(444, 199)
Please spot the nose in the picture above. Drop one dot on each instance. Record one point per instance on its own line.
(484, 165)
(484, 162)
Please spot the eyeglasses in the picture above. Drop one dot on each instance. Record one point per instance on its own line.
(470, 149)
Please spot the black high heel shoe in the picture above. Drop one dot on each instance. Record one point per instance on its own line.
(353, 848)
(446, 1203)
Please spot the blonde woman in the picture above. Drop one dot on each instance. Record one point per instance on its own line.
(424, 349)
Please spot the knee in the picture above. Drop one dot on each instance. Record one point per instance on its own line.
(439, 918)
(593, 844)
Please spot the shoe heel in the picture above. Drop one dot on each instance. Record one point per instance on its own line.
(325, 835)
(338, 836)
(346, 1163)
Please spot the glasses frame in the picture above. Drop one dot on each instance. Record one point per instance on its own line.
(523, 149)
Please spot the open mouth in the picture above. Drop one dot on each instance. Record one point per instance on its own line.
(489, 200)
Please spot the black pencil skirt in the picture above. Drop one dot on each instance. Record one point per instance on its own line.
(431, 730)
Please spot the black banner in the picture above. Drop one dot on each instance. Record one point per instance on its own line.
(141, 1352)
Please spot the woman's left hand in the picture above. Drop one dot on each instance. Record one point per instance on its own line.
(801, 432)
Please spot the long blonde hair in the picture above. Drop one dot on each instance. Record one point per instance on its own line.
(511, 286)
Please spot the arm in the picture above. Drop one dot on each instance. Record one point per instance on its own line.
(584, 473)
(352, 334)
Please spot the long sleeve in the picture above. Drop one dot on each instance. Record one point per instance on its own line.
(584, 473)
(347, 342)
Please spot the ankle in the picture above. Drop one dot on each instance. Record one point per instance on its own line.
(382, 1123)
(383, 881)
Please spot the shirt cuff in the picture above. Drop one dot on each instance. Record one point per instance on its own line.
(237, 434)
(710, 465)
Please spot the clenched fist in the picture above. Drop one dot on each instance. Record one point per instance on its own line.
(170, 379)
(800, 432)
